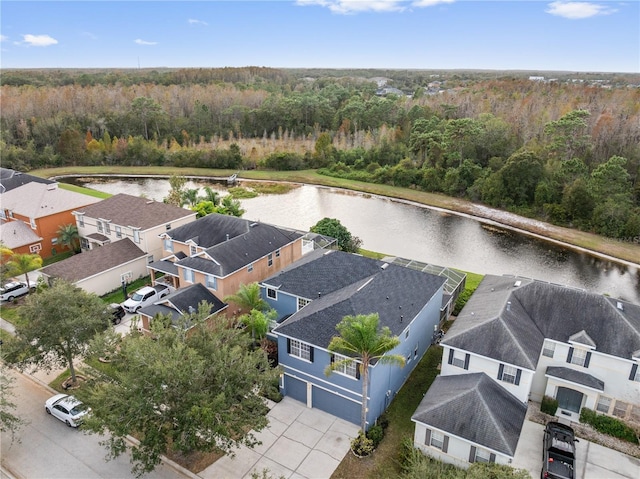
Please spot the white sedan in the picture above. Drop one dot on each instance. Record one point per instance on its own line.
(67, 408)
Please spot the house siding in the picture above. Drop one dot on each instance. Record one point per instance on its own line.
(47, 228)
(104, 282)
(458, 449)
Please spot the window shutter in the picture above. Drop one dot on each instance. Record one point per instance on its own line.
(450, 356)
(587, 359)
(472, 454)
(466, 360)
(288, 346)
(500, 371)
(634, 370)
(358, 366)
(445, 444)
(311, 348)
(332, 358)
(518, 374)
(427, 437)
(492, 457)
(570, 355)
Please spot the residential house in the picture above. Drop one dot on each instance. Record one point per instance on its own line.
(101, 270)
(537, 339)
(223, 252)
(468, 418)
(181, 302)
(44, 208)
(10, 179)
(314, 294)
(125, 216)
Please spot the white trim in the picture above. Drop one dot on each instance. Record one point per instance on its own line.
(565, 381)
(497, 361)
(316, 378)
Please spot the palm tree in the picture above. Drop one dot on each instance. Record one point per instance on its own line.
(248, 297)
(361, 341)
(22, 264)
(211, 195)
(68, 236)
(190, 196)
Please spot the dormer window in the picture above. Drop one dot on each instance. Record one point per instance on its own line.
(99, 226)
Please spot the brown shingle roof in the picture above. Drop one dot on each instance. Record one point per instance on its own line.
(90, 263)
(127, 210)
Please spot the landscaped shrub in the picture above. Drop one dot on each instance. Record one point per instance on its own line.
(608, 425)
(549, 405)
(361, 445)
(375, 433)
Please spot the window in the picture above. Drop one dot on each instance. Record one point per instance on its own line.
(302, 303)
(192, 250)
(482, 455)
(168, 245)
(278, 253)
(509, 374)
(437, 440)
(635, 373)
(10, 214)
(212, 282)
(3, 215)
(620, 409)
(80, 219)
(33, 223)
(126, 277)
(84, 243)
(270, 259)
(300, 350)
(188, 275)
(459, 359)
(415, 351)
(99, 226)
(548, 349)
(406, 334)
(250, 268)
(348, 368)
(107, 228)
(54, 240)
(136, 236)
(34, 248)
(578, 357)
(167, 227)
(118, 232)
(272, 293)
(150, 259)
(603, 404)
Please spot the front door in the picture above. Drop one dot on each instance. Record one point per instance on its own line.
(569, 399)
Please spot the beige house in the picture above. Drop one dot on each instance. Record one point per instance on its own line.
(125, 216)
(101, 270)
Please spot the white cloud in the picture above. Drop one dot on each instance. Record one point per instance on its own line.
(430, 3)
(578, 10)
(356, 6)
(38, 40)
(193, 21)
(3, 38)
(144, 42)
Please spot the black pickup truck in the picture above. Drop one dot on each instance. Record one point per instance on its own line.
(558, 452)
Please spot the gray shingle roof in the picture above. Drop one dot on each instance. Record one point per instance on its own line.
(509, 323)
(38, 200)
(474, 407)
(574, 376)
(178, 302)
(396, 293)
(127, 210)
(95, 261)
(14, 234)
(248, 242)
(10, 179)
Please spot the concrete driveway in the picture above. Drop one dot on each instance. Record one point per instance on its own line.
(593, 461)
(299, 443)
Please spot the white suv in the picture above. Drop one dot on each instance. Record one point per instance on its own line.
(13, 290)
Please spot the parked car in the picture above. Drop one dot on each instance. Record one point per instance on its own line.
(15, 289)
(117, 312)
(145, 297)
(558, 451)
(67, 408)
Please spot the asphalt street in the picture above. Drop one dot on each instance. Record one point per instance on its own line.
(48, 449)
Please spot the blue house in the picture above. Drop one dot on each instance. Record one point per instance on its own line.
(312, 296)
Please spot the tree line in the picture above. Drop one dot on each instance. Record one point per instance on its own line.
(566, 153)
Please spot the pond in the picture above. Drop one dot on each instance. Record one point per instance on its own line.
(420, 233)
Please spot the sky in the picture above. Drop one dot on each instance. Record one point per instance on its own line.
(578, 36)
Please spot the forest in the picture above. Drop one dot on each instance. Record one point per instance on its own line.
(566, 151)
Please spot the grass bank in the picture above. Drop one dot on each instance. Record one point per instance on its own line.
(626, 251)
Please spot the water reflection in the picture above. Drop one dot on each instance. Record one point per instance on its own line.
(419, 233)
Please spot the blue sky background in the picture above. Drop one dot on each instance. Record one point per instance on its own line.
(581, 36)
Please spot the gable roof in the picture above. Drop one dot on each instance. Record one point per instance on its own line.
(128, 210)
(179, 302)
(475, 408)
(247, 242)
(574, 376)
(517, 314)
(396, 293)
(37, 200)
(10, 179)
(95, 261)
(14, 234)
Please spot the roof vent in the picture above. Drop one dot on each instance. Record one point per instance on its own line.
(319, 294)
(150, 201)
(253, 224)
(227, 236)
(52, 186)
(620, 306)
(384, 266)
(517, 283)
(508, 305)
